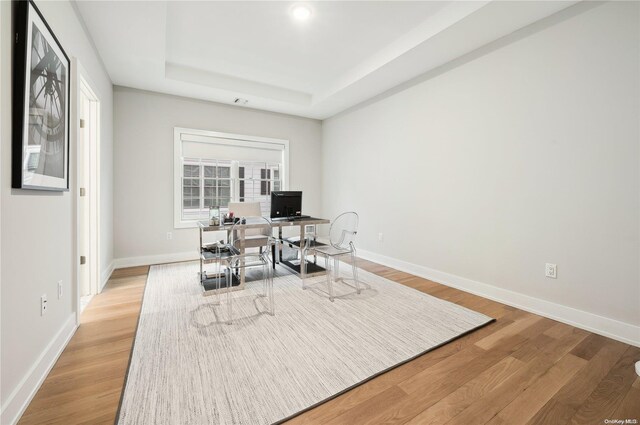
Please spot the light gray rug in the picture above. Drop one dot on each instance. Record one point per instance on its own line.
(189, 367)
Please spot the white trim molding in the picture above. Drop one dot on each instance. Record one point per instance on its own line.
(148, 260)
(24, 392)
(105, 275)
(82, 84)
(611, 328)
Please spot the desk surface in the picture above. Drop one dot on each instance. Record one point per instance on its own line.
(204, 225)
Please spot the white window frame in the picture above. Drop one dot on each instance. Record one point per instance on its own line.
(201, 163)
(205, 136)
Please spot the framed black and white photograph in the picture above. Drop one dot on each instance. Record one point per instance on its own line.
(40, 104)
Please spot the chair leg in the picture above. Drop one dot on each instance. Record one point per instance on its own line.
(272, 305)
(329, 283)
(354, 268)
(336, 269)
(265, 279)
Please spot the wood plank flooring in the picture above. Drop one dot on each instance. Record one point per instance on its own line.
(521, 369)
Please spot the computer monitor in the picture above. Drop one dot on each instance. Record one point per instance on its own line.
(286, 204)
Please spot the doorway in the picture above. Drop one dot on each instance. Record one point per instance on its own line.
(88, 193)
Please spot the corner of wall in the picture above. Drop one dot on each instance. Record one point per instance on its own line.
(105, 275)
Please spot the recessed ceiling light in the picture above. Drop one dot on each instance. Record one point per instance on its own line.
(301, 12)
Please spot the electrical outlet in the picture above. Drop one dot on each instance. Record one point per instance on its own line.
(169, 236)
(380, 237)
(551, 270)
(59, 289)
(43, 304)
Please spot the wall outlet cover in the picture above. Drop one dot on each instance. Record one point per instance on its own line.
(551, 270)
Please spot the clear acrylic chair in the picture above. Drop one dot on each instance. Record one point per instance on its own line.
(342, 236)
(243, 236)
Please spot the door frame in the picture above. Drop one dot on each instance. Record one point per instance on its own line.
(81, 84)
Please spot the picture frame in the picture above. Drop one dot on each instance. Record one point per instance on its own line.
(41, 109)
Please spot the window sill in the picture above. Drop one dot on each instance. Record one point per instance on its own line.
(186, 224)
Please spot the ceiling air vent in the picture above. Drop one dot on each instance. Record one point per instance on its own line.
(240, 101)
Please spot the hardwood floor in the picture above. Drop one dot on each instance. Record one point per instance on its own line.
(521, 369)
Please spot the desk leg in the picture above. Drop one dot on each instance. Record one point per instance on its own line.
(273, 255)
(200, 251)
(303, 269)
(242, 249)
(280, 242)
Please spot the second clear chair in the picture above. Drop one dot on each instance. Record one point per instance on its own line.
(342, 237)
(255, 232)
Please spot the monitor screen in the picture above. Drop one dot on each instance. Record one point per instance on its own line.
(286, 204)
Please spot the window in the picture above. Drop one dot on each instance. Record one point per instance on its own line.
(269, 179)
(205, 183)
(213, 169)
(256, 180)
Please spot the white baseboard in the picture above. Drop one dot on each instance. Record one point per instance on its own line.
(611, 328)
(105, 275)
(20, 398)
(154, 259)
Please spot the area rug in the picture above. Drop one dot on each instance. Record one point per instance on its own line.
(188, 366)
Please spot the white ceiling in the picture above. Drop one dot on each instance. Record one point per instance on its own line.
(346, 53)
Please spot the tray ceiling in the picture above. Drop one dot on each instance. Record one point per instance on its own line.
(345, 53)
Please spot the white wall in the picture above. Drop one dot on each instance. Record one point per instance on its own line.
(38, 232)
(522, 154)
(143, 160)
